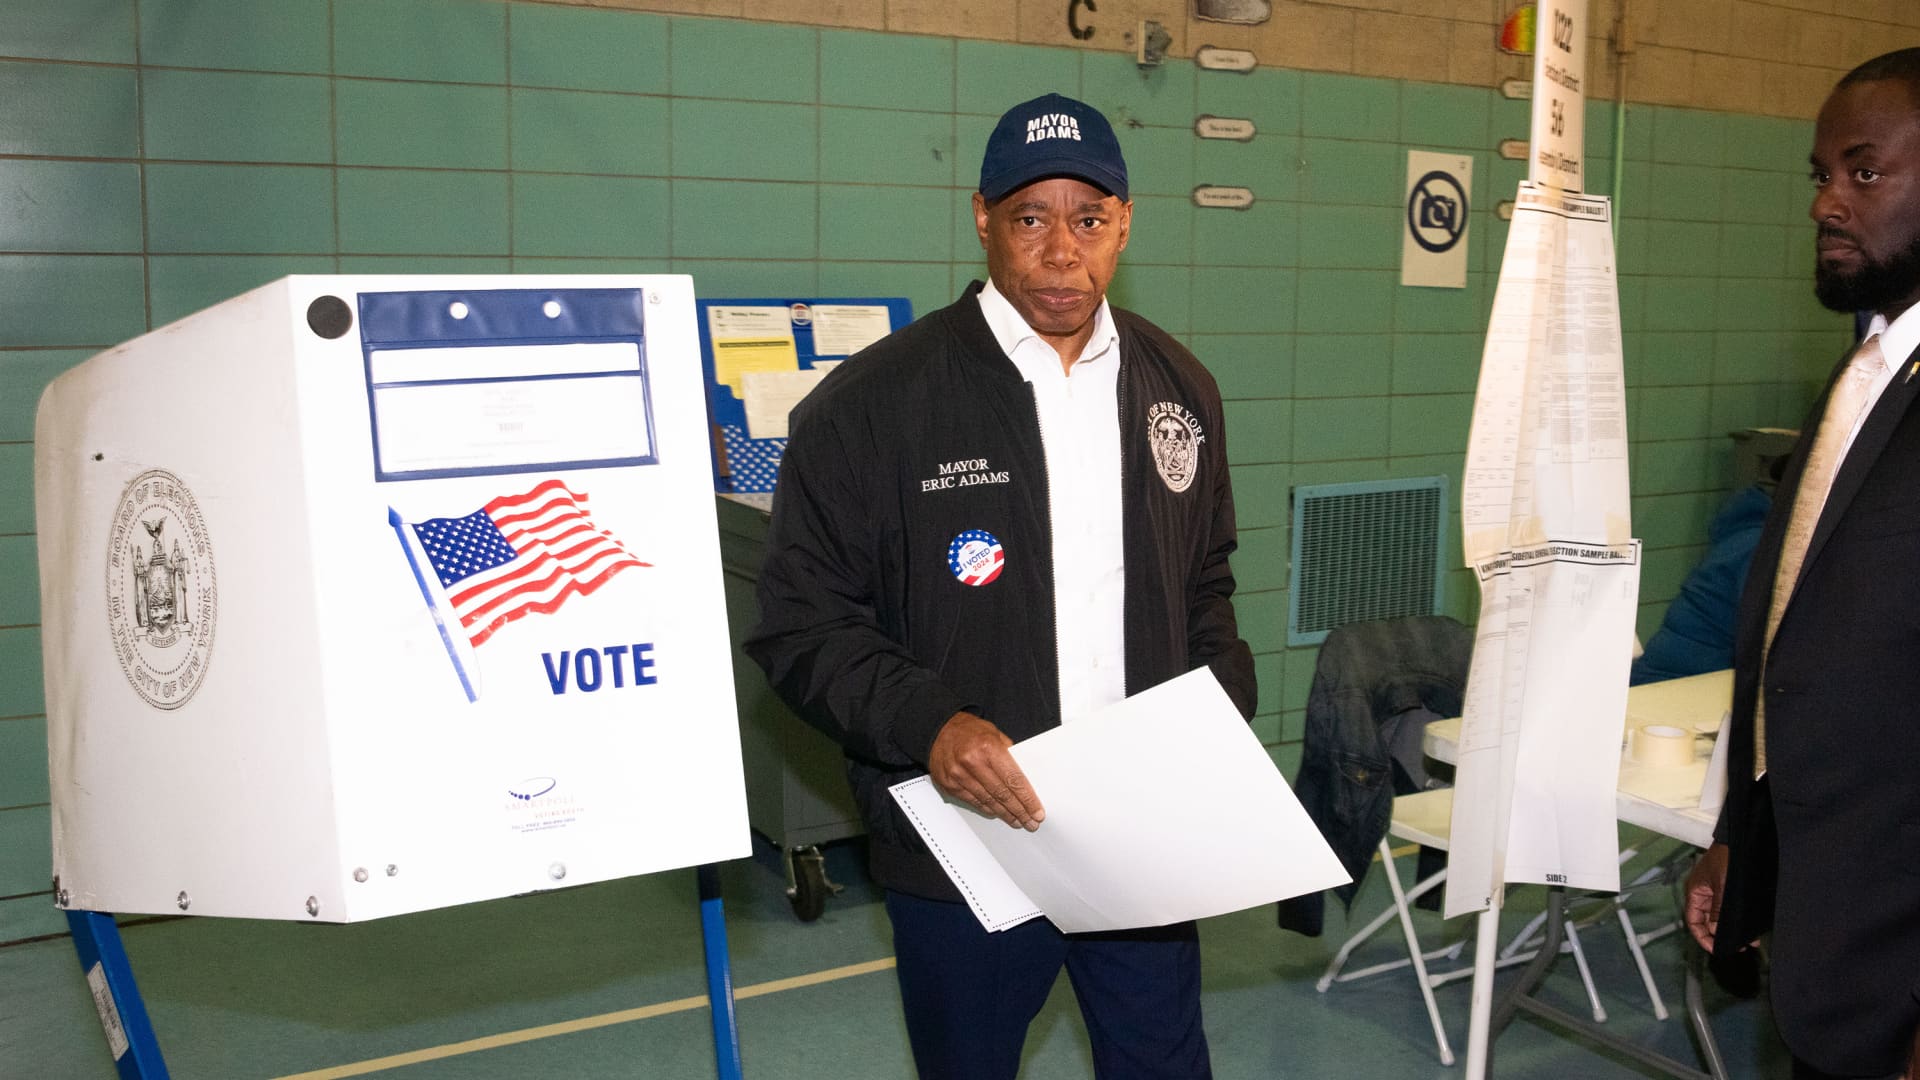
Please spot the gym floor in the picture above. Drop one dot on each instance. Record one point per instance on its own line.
(607, 980)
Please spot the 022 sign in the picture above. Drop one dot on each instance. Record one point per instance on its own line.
(1559, 96)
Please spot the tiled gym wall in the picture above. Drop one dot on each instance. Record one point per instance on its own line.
(158, 158)
(1767, 57)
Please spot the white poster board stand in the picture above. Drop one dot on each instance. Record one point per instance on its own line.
(1547, 529)
(1545, 512)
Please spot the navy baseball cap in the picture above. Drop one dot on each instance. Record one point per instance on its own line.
(1052, 136)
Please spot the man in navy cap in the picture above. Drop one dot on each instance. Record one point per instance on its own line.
(1006, 516)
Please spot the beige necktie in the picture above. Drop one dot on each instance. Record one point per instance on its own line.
(1849, 397)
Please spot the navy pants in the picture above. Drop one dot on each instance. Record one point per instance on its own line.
(1804, 1071)
(969, 995)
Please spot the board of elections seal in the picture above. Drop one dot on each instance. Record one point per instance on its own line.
(1173, 434)
(976, 557)
(161, 599)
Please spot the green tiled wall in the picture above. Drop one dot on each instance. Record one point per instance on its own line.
(159, 156)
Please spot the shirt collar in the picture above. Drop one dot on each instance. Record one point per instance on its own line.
(1898, 338)
(1011, 331)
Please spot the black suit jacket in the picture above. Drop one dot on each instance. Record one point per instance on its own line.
(1840, 804)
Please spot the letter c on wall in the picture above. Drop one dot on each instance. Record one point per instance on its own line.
(1081, 33)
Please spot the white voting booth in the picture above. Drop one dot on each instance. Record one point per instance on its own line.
(367, 595)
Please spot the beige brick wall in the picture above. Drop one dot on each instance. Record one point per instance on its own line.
(1771, 57)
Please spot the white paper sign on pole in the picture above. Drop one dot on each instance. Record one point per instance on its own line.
(1560, 95)
(373, 594)
(1433, 247)
(1547, 528)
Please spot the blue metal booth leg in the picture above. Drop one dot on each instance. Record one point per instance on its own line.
(713, 936)
(136, 1052)
(122, 1014)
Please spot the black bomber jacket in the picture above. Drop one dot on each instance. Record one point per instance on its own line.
(908, 571)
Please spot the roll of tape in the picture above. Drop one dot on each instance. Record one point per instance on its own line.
(1662, 746)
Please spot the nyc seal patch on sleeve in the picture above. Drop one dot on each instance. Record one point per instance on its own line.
(976, 557)
(1173, 433)
(161, 599)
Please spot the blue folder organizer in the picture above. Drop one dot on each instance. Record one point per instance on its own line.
(748, 465)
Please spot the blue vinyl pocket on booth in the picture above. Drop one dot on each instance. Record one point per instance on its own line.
(484, 382)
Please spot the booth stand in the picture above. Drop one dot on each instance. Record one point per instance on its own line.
(1520, 997)
(368, 595)
(116, 996)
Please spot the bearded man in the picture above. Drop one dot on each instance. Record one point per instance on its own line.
(1823, 798)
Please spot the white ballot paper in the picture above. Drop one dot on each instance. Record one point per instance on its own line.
(771, 395)
(1547, 530)
(1713, 786)
(845, 329)
(1161, 808)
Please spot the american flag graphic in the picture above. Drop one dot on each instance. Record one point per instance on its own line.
(976, 557)
(520, 555)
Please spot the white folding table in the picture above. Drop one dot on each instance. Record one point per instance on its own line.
(1660, 800)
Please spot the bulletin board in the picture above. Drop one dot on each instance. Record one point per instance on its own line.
(762, 356)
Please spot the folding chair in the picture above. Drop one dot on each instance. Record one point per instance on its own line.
(1426, 818)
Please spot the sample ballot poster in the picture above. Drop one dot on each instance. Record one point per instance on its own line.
(368, 595)
(1547, 532)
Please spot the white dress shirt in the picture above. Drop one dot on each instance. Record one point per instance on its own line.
(1897, 339)
(1080, 430)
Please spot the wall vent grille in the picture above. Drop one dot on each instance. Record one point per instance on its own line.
(1365, 551)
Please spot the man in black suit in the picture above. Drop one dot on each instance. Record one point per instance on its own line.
(1821, 826)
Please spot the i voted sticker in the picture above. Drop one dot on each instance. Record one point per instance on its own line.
(976, 557)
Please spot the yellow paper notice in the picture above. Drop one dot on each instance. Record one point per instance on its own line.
(750, 339)
(733, 359)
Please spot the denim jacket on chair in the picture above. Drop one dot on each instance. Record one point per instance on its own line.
(1375, 684)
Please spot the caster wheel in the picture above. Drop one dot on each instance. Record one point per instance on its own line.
(808, 894)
